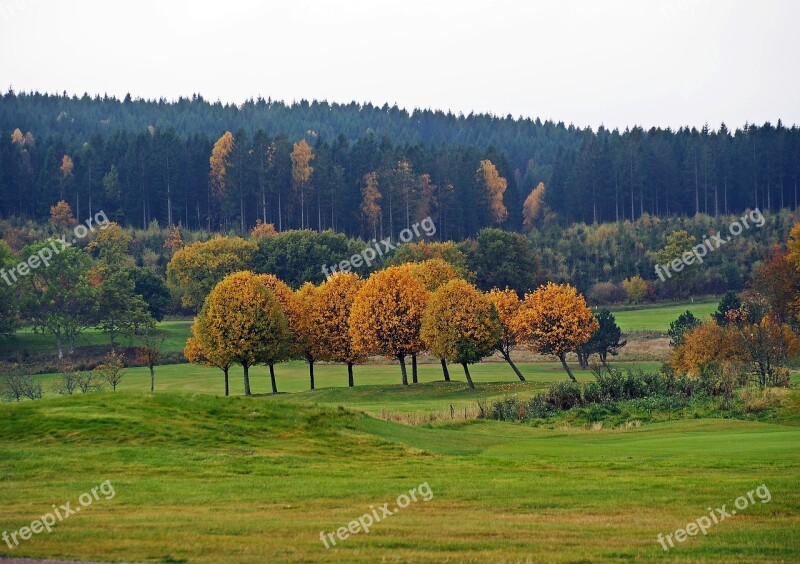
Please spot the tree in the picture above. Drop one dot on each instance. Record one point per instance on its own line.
(263, 230)
(153, 290)
(219, 162)
(432, 273)
(149, 351)
(533, 207)
(304, 327)
(778, 280)
(460, 325)
(291, 309)
(111, 370)
(685, 322)
(111, 246)
(9, 301)
(494, 186)
(502, 259)
(555, 320)
(196, 354)
(507, 304)
(302, 155)
(66, 174)
(370, 202)
(61, 215)
(729, 302)
(119, 308)
(766, 346)
(605, 340)
(331, 307)
(635, 288)
(195, 269)
(386, 316)
(57, 297)
(244, 323)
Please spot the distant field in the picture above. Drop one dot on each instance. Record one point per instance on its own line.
(657, 318)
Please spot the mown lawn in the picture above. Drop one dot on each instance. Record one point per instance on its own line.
(657, 318)
(200, 478)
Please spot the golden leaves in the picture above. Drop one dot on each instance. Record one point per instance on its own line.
(494, 186)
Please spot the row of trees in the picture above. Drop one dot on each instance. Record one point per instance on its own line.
(314, 164)
(398, 313)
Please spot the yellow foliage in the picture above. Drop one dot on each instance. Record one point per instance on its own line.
(433, 273)
(371, 197)
(507, 304)
(386, 315)
(301, 156)
(218, 163)
(636, 289)
(66, 167)
(494, 186)
(533, 206)
(61, 215)
(330, 316)
(263, 230)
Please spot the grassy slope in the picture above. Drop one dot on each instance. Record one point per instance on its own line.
(202, 478)
(657, 318)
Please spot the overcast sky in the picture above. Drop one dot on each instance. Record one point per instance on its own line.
(649, 62)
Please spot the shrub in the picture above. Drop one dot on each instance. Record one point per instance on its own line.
(603, 293)
(563, 395)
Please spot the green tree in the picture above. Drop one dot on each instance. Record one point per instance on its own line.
(605, 340)
(502, 259)
(685, 322)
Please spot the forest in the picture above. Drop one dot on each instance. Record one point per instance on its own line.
(370, 169)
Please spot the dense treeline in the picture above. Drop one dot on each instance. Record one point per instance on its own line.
(149, 160)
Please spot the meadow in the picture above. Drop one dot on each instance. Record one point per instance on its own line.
(199, 477)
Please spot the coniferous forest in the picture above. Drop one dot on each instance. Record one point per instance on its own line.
(144, 160)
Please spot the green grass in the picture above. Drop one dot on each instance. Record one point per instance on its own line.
(657, 318)
(200, 478)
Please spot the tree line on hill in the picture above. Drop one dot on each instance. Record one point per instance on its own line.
(361, 169)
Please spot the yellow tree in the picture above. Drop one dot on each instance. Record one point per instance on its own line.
(432, 274)
(533, 207)
(66, 174)
(244, 323)
(636, 289)
(494, 187)
(219, 162)
(196, 354)
(61, 215)
(263, 230)
(302, 155)
(460, 324)
(330, 315)
(305, 331)
(370, 207)
(387, 315)
(195, 269)
(291, 309)
(555, 320)
(507, 304)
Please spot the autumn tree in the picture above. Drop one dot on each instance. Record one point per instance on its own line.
(700, 344)
(507, 304)
(196, 354)
(386, 316)
(175, 239)
(111, 370)
(195, 269)
(556, 320)
(301, 156)
(291, 309)
(778, 280)
(370, 203)
(304, 327)
(460, 325)
(330, 315)
(636, 289)
(61, 215)
(533, 207)
(244, 323)
(219, 162)
(494, 186)
(66, 175)
(263, 230)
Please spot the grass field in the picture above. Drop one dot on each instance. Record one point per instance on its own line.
(657, 318)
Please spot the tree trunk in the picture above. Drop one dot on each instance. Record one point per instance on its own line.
(563, 358)
(507, 356)
(245, 368)
(152, 378)
(445, 371)
(272, 378)
(402, 359)
(469, 378)
(227, 389)
(311, 372)
(414, 368)
(350, 374)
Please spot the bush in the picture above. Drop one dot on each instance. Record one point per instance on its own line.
(564, 395)
(603, 293)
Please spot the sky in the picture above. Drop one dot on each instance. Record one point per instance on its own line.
(617, 63)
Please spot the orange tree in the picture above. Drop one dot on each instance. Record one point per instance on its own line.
(244, 323)
(507, 304)
(432, 273)
(460, 324)
(330, 317)
(555, 320)
(291, 309)
(304, 330)
(386, 316)
(195, 269)
(196, 354)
